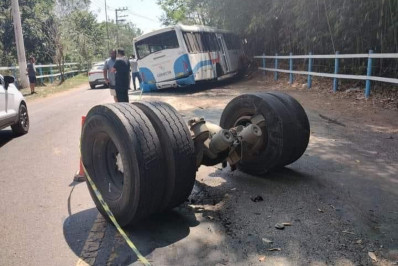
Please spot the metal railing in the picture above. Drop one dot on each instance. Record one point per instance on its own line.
(368, 77)
(48, 72)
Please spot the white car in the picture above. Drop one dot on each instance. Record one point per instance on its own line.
(13, 109)
(96, 75)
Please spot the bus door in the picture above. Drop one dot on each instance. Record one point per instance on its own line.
(224, 56)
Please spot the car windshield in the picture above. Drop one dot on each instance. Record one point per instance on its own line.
(98, 67)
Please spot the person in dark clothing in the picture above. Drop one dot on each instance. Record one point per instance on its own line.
(31, 72)
(122, 76)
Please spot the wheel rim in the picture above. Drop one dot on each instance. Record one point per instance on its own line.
(244, 120)
(24, 118)
(109, 162)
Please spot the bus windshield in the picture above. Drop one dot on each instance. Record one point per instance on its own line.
(152, 44)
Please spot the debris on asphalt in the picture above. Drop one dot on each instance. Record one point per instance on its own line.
(274, 249)
(267, 241)
(352, 90)
(233, 189)
(358, 161)
(210, 217)
(348, 232)
(372, 256)
(330, 120)
(320, 210)
(257, 198)
(279, 226)
(358, 241)
(262, 258)
(287, 224)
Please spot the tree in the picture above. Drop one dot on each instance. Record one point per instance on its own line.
(298, 26)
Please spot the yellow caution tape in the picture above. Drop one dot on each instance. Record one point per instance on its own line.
(113, 219)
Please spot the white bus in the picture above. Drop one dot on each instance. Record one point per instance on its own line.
(182, 55)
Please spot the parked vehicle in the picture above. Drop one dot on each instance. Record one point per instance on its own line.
(96, 76)
(182, 55)
(13, 109)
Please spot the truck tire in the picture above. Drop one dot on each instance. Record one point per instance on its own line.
(178, 150)
(22, 125)
(122, 154)
(277, 148)
(301, 127)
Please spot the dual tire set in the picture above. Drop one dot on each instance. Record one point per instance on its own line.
(140, 156)
(142, 159)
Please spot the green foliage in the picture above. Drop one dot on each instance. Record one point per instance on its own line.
(298, 26)
(59, 31)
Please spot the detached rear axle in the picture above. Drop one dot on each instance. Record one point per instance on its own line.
(215, 143)
(143, 158)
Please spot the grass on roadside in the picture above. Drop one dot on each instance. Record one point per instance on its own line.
(52, 88)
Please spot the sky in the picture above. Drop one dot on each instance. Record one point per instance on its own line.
(144, 14)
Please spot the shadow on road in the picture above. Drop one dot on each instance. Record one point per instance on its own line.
(102, 87)
(197, 88)
(86, 238)
(6, 136)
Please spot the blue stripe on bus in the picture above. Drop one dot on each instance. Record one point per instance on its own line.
(201, 64)
(148, 80)
(182, 67)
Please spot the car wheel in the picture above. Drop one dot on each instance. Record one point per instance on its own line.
(122, 154)
(22, 126)
(278, 147)
(92, 86)
(177, 147)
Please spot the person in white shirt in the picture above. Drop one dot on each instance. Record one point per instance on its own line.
(134, 71)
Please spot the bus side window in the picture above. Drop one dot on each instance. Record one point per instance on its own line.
(211, 40)
(187, 42)
(232, 41)
(199, 42)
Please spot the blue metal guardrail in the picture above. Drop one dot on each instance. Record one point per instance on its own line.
(49, 72)
(368, 78)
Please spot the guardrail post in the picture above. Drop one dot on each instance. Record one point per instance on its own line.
(51, 74)
(14, 73)
(264, 64)
(336, 71)
(276, 67)
(309, 79)
(41, 73)
(368, 73)
(291, 68)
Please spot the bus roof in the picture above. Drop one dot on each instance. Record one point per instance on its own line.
(191, 28)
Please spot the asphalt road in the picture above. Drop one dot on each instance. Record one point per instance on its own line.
(340, 198)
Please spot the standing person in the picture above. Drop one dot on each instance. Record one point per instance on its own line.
(134, 71)
(109, 75)
(122, 77)
(31, 69)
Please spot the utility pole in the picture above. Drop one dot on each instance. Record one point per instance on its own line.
(119, 20)
(106, 23)
(16, 15)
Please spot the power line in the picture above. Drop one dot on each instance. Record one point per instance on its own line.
(141, 16)
(119, 20)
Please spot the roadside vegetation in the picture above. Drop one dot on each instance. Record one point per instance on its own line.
(46, 90)
(60, 31)
(300, 27)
